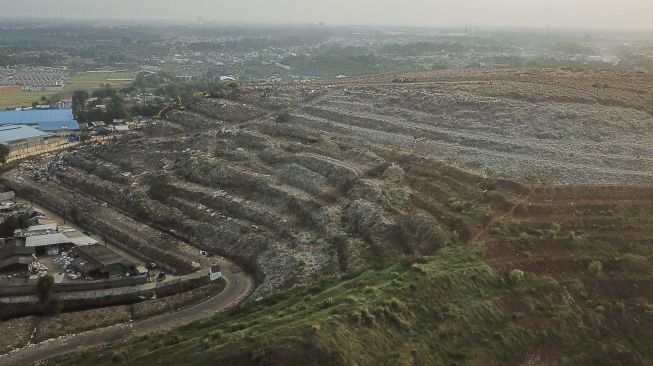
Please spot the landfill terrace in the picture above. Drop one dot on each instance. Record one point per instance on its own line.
(310, 179)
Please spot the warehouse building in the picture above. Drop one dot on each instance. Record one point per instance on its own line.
(49, 120)
(22, 137)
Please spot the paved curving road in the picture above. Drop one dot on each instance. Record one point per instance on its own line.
(239, 286)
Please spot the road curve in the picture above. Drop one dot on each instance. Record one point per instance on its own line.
(239, 286)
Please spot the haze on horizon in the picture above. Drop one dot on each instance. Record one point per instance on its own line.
(600, 14)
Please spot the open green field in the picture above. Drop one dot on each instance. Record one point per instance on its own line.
(90, 81)
(21, 99)
(84, 81)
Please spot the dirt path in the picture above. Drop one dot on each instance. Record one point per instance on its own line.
(239, 286)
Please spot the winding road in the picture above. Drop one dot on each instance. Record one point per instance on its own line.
(239, 286)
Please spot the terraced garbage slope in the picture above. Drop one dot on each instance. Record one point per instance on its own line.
(314, 179)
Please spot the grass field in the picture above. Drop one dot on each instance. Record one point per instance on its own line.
(90, 81)
(83, 81)
(21, 99)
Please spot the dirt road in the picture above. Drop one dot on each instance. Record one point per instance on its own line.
(239, 286)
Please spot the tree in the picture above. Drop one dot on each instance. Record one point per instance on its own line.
(4, 153)
(79, 100)
(48, 300)
(160, 188)
(13, 222)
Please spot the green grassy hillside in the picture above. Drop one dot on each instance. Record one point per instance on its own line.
(449, 309)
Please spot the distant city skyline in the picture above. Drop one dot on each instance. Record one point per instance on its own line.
(600, 14)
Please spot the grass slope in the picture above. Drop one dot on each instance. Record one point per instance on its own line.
(21, 99)
(450, 309)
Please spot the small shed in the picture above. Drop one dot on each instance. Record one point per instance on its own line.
(50, 244)
(214, 272)
(101, 262)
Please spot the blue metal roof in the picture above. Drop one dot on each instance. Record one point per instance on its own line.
(47, 120)
(57, 126)
(9, 134)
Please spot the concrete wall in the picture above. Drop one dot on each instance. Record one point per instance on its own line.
(37, 147)
(28, 289)
(20, 305)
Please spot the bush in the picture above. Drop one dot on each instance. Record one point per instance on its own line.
(160, 188)
(78, 216)
(4, 153)
(516, 276)
(283, 117)
(217, 334)
(48, 300)
(117, 356)
(13, 222)
(595, 268)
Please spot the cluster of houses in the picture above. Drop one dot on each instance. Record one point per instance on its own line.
(103, 128)
(36, 78)
(68, 253)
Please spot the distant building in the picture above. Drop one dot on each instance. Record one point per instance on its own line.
(226, 78)
(51, 120)
(49, 244)
(21, 137)
(65, 103)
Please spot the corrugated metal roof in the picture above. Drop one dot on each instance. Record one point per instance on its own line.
(46, 120)
(47, 239)
(80, 239)
(9, 134)
(42, 227)
(36, 116)
(57, 126)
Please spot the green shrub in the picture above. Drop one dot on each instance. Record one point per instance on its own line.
(217, 334)
(595, 267)
(516, 276)
(117, 356)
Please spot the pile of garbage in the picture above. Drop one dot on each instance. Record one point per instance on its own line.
(37, 268)
(64, 260)
(45, 171)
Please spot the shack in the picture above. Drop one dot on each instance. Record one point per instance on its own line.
(97, 261)
(49, 244)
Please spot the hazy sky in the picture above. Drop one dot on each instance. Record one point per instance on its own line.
(533, 13)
